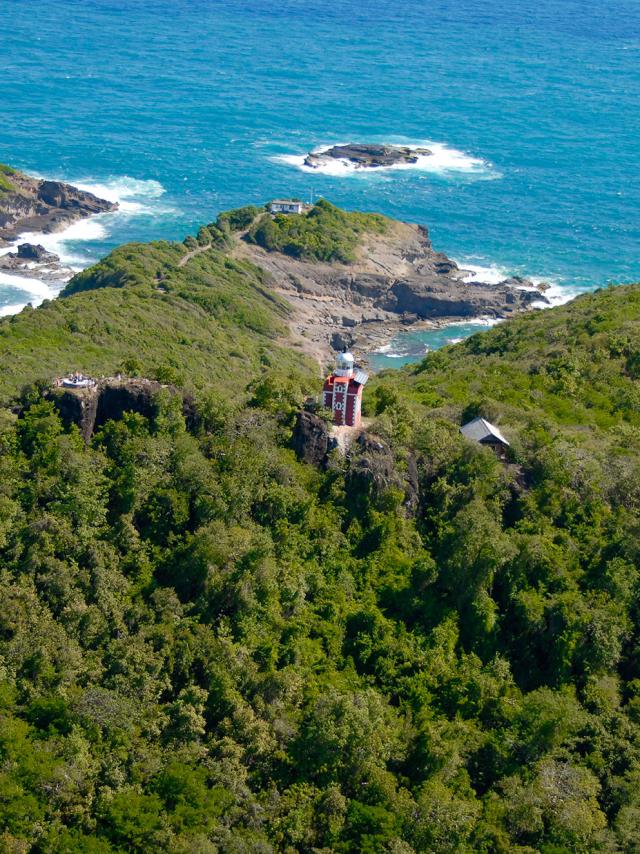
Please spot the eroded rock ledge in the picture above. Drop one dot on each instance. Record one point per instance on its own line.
(110, 398)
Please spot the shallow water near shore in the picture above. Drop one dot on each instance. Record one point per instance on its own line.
(179, 110)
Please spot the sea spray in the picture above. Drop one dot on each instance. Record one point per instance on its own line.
(444, 161)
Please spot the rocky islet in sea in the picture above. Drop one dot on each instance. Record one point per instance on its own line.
(367, 156)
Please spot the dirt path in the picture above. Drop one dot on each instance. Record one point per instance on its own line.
(192, 254)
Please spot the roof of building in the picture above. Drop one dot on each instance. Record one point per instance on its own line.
(359, 379)
(286, 202)
(480, 430)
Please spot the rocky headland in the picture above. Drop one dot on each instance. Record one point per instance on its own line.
(35, 205)
(366, 156)
(397, 281)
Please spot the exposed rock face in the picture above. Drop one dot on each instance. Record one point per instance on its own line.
(109, 399)
(33, 252)
(34, 261)
(366, 156)
(398, 279)
(342, 341)
(44, 206)
(373, 471)
(310, 438)
(77, 407)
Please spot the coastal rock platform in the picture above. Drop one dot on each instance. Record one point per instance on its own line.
(397, 282)
(32, 204)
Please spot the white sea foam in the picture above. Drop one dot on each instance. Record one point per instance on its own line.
(34, 287)
(6, 310)
(134, 198)
(443, 161)
(132, 195)
(555, 292)
(491, 275)
(84, 230)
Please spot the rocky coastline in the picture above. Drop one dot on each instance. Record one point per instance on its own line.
(30, 205)
(366, 156)
(398, 282)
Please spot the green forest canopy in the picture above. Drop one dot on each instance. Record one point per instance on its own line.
(206, 645)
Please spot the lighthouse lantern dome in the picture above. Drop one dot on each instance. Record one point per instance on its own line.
(344, 364)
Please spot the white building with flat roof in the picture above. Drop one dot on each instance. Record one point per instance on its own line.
(286, 206)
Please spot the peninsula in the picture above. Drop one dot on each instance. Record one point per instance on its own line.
(354, 280)
(350, 279)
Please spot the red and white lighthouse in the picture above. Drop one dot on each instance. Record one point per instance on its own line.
(342, 392)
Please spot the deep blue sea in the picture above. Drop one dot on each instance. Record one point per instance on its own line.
(182, 108)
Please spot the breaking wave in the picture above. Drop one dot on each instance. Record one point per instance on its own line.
(555, 292)
(31, 290)
(134, 198)
(444, 161)
(79, 244)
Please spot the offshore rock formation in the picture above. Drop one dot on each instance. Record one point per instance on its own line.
(34, 261)
(31, 204)
(366, 156)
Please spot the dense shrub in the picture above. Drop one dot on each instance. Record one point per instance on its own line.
(325, 233)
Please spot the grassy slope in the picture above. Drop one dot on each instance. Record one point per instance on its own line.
(572, 368)
(211, 318)
(6, 185)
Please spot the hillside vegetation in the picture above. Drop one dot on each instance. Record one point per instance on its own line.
(208, 646)
(325, 233)
(139, 312)
(6, 186)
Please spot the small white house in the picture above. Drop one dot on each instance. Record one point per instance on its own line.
(286, 206)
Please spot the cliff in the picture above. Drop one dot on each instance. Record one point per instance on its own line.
(32, 204)
(108, 400)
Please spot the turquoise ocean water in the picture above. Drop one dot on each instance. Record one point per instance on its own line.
(182, 108)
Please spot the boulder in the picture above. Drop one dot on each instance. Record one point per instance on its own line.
(36, 252)
(342, 341)
(310, 438)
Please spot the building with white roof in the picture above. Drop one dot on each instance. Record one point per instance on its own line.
(482, 431)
